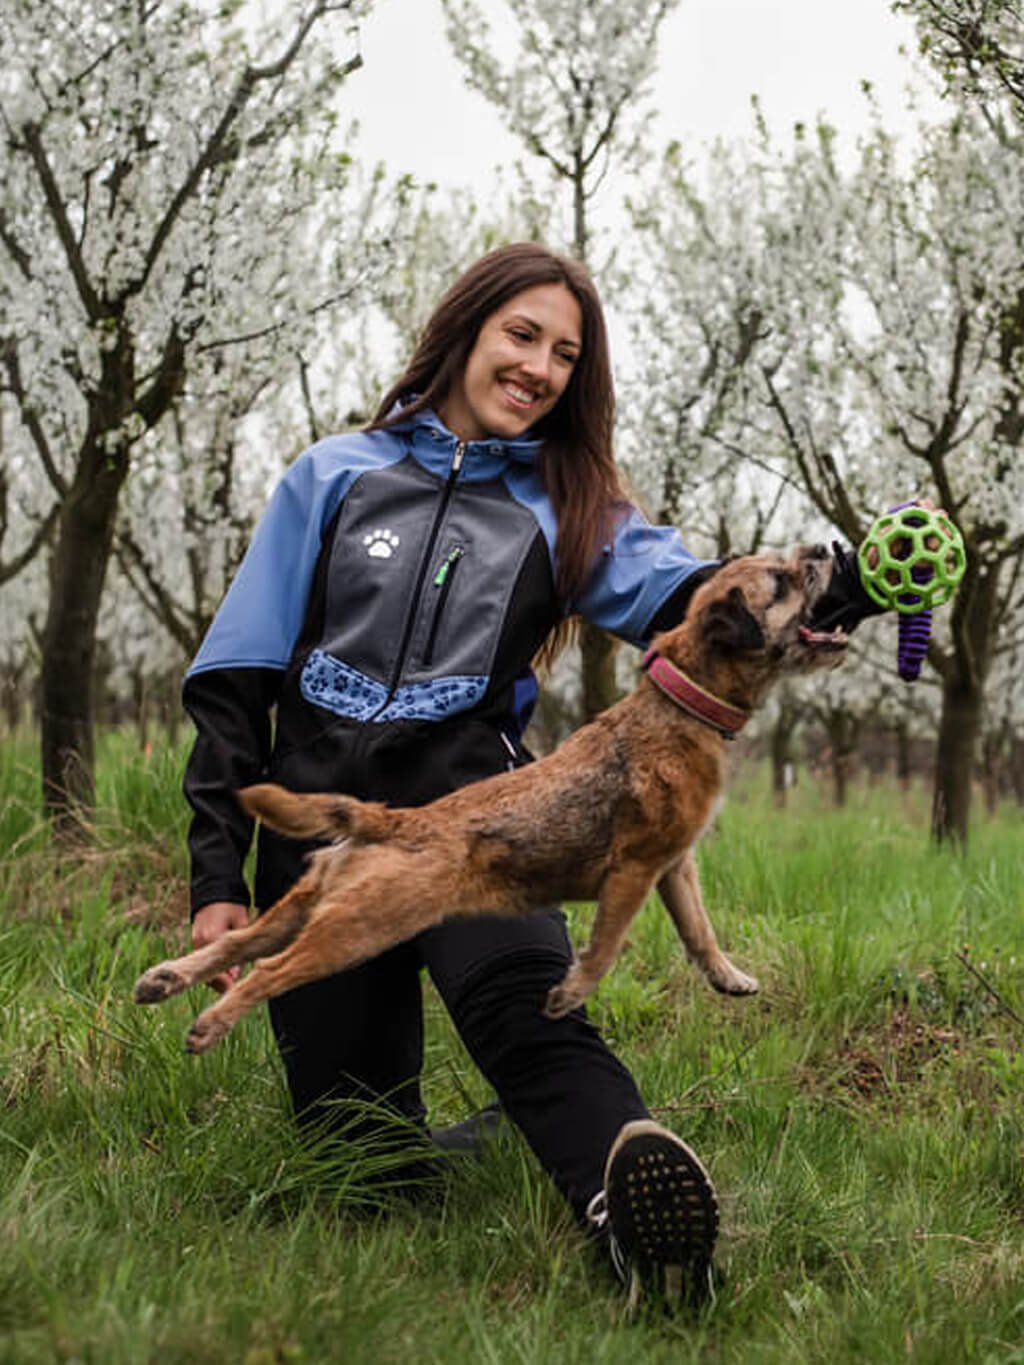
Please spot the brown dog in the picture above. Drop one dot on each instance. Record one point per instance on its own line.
(617, 810)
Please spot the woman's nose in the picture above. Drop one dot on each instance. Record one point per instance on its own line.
(537, 364)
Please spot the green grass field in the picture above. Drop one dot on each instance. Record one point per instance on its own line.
(862, 1119)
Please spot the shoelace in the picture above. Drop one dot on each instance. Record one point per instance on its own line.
(597, 1216)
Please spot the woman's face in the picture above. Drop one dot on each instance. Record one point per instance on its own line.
(519, 367)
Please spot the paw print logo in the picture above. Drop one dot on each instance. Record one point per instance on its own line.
(381, 544)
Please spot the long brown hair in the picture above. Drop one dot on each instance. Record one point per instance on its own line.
(576, 463)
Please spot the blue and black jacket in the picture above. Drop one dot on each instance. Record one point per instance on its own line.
(387, 611)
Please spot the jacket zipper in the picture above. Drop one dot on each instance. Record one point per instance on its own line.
(458, 455)
(443, 583)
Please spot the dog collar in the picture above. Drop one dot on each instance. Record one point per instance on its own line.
(704, 706)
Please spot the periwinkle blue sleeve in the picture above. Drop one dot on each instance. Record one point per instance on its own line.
(637, 571)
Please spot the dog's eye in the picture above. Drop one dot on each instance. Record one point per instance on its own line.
(782, 585)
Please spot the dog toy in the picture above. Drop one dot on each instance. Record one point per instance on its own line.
(912, 560)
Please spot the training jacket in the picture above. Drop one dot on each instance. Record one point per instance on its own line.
(389, 606)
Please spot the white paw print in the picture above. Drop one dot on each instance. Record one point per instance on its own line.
(381, 543)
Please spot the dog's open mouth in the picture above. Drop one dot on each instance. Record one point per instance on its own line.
(824, 639)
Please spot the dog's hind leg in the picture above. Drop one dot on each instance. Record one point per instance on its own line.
(268, 934)
(679, 888)
(622, 895)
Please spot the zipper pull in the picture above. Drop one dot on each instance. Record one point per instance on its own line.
(510, 762)
(452, 557)
(458, 457)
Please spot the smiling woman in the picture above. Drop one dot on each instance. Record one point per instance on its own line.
(389, 607)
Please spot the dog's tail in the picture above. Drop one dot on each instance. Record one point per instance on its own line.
(311, 816)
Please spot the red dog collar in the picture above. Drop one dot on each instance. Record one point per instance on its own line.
(704, 706)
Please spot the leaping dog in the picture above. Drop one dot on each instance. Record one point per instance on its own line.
(617, 810)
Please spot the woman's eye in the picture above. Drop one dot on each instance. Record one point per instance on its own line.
(520, 334)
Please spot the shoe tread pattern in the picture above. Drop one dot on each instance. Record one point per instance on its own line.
(663, 1211)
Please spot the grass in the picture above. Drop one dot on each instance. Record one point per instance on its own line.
(862, 1118)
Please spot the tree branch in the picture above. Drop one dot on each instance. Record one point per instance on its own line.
(211, 154)
(150, 592)
(166, 383)
(839, 510)
(14, 566)
(16, 251)
(58, 213)
(31, 420)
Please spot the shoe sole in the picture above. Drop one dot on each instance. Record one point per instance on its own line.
(662, 1208)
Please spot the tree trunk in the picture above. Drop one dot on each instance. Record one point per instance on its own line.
(597, 666)
(954, 762)
(840, 778)
(1017, 769)
(963, 674)
(781, 747)
(12, 694)
(78, 570)
(992, 745)
(843, 730)
(903, 761)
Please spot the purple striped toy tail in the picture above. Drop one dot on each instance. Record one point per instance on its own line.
(914, 634)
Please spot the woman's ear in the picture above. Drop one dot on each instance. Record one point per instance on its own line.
(729, 625)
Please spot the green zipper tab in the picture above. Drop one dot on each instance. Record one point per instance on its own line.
(451, 558)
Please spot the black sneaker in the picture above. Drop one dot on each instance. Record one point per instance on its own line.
(659, 1210)
(473, 1135)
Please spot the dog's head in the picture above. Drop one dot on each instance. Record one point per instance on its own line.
(750, 623)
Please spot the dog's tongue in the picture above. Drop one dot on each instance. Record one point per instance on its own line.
(823, 637)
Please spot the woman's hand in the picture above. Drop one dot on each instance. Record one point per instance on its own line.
(209, 924)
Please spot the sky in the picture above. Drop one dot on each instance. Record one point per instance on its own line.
(801, 57)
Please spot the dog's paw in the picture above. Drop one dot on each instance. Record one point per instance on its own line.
(159, 983)
(730, 980)
(205, 1033)
(561, 999)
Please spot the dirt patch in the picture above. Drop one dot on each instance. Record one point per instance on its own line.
(875, 1063)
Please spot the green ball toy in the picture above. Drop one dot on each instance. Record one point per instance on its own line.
(920, 559)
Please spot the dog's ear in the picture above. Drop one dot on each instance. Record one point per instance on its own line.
(729, 625)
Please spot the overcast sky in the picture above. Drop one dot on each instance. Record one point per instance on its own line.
(801, 57)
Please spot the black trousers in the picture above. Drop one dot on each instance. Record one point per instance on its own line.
(359, 1034)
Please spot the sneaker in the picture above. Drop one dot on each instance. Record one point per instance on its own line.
(659, 1211)
(472, 1136)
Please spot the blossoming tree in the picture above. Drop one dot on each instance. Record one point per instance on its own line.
(889, 362)
(154, 156)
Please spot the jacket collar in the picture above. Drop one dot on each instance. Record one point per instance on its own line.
(434, 445)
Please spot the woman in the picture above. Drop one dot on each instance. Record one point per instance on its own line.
(394, 595)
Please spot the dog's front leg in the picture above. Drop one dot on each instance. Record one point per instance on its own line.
(622, 894)
(370, 914)
(267, 934)
(679, 888)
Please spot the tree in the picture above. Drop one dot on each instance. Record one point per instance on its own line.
(150, 160)
(887, 361)
(573, 91)
(977, 47)
(699, 317)
(913, 383)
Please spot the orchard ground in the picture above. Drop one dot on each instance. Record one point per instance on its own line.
(862, 1117)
